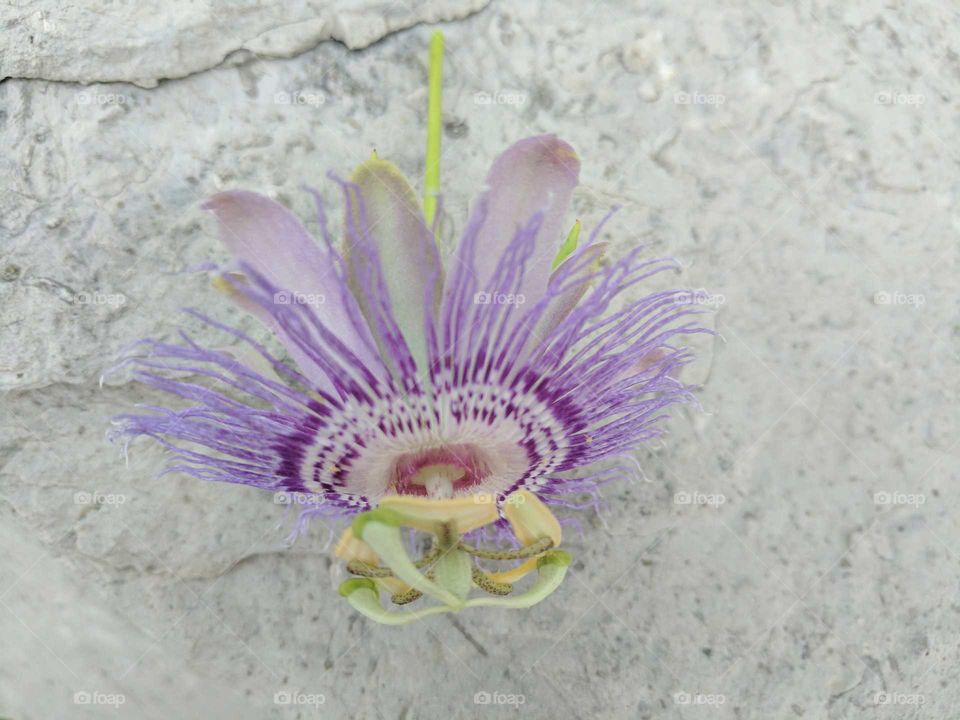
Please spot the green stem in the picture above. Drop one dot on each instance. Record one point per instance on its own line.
(431, 175)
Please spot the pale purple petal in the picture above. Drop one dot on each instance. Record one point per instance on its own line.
(267, 237)
(530, 395)
(535, 175)
(388, 230)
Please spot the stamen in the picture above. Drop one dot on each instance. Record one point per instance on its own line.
(447, 571)
(405, 598)
(488, 584)
(540, 546)
(356, 567)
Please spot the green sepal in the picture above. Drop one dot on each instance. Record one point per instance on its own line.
(569, 245)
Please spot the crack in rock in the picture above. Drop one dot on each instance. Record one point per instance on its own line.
(143, 43)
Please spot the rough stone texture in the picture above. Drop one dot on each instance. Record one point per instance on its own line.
(146, 42)
(799, 157)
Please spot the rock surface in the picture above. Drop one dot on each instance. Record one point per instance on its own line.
(790, 552)
(146, 42)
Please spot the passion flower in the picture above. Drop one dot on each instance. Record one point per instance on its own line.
(440, 395)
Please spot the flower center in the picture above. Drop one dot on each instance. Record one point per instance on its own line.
(375, 548)
(439, 472)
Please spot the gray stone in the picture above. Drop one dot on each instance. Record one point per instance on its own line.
(146, 42)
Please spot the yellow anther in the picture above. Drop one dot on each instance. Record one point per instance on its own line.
(530, 519)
